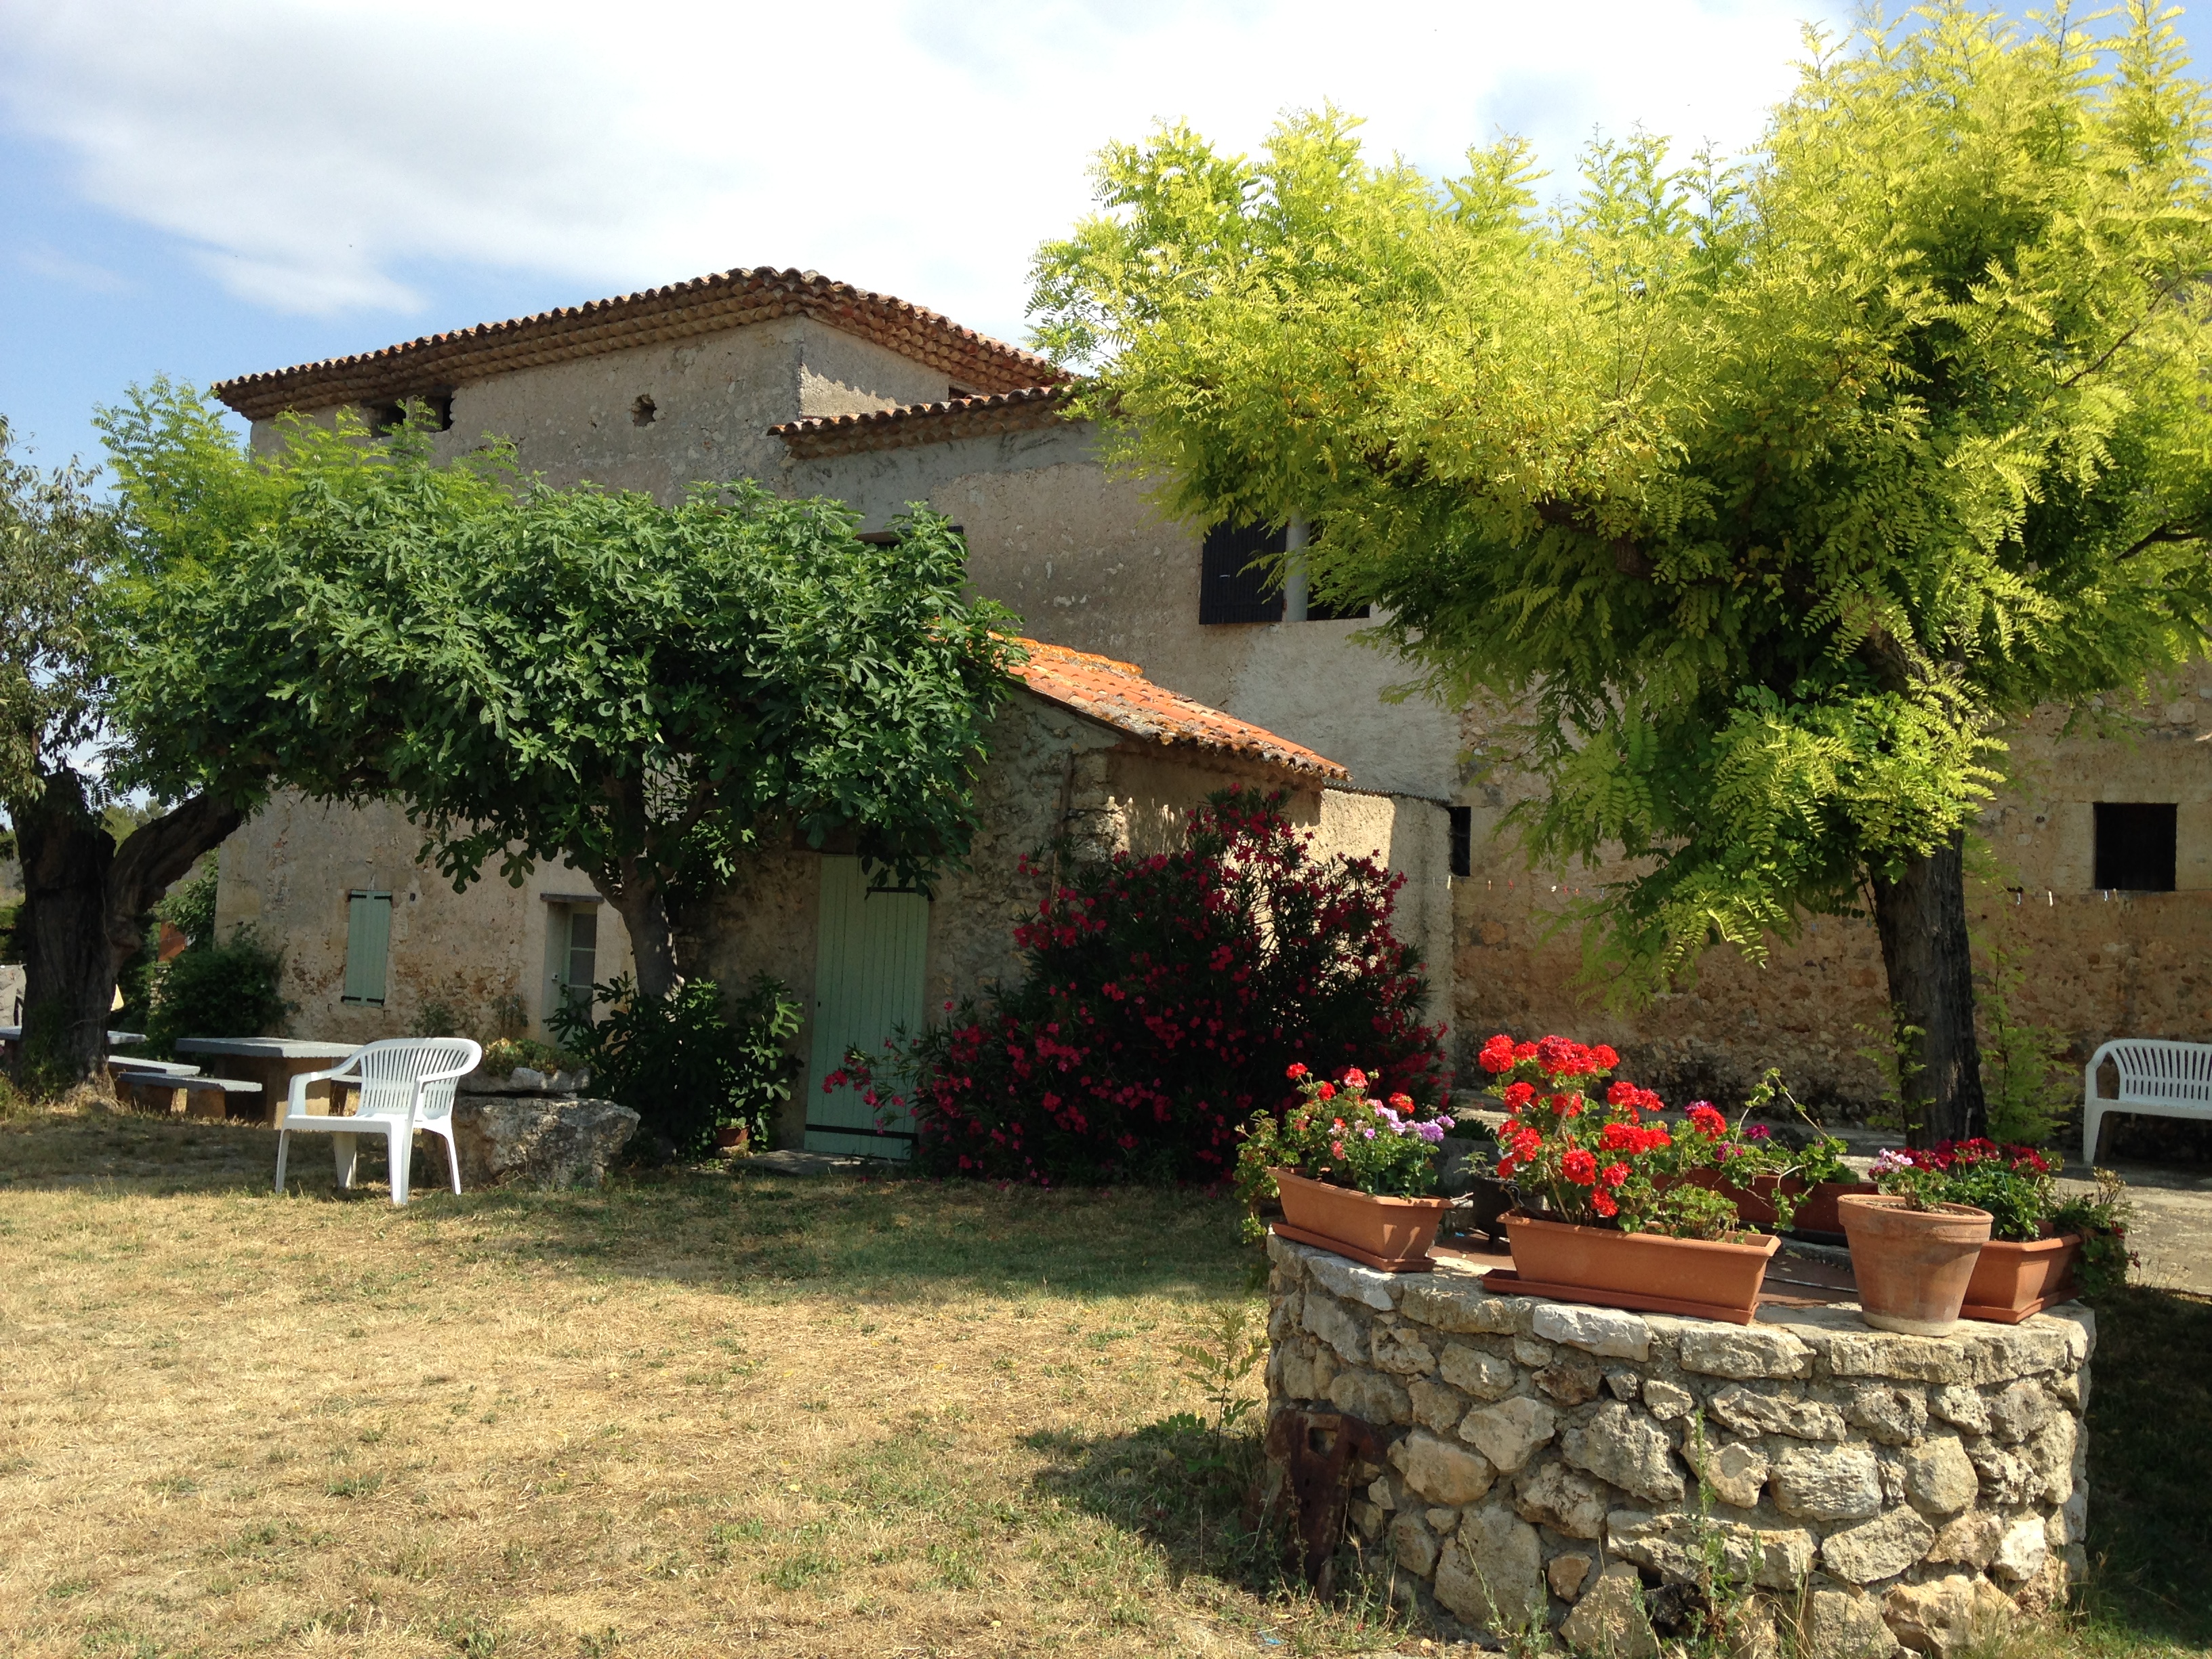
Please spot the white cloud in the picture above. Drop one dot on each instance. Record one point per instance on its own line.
(324, 159)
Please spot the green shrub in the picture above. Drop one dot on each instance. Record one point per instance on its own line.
(225, 990)
(680, 1062)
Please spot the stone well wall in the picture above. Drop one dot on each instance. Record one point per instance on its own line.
(1541, 1460)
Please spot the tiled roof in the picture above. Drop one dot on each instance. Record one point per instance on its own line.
(1118, 694)
(821, 435)
(706, 305)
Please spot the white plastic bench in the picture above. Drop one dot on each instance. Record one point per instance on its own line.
(2158, 1078)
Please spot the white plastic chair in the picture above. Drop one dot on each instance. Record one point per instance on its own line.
(2159, 1078)
(405, 1083)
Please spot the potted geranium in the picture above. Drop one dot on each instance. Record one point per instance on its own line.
(1353, 1175)
(1610, 1216)
(1913, 1250)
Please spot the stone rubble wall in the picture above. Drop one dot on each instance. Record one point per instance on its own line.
(1543, 1458)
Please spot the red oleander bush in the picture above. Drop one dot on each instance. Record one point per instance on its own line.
(1164, 1000)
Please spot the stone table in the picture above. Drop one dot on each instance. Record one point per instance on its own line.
(272, 1062)
(1540, 1460)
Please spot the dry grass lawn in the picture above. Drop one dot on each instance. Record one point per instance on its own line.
(688, 1416)
(701, 1414)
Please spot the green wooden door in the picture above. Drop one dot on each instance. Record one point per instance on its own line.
(868, 966)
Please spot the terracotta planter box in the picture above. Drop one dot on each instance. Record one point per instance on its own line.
(1912, 1265)
(1754, 1204)
(1817, 1213)
(1393, 1234)
(1647, 1272)
(2012, 1281)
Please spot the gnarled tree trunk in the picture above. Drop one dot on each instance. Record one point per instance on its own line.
(1920, 918)
(84, 896)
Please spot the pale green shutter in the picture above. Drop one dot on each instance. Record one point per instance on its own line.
(368, 944)
(872, 953)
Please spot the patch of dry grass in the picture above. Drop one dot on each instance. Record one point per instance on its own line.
(688, 1416)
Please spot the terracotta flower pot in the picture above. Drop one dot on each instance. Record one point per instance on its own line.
(1393, 1234)
(1912, 1265)
(1817, 1213)
(1647, 1270)
(2013, 1281)
(733, 1137)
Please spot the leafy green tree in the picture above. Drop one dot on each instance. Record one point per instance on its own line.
(92, 864)
(1766, 493)
(645, 690)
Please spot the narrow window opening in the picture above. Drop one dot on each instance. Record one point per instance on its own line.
(643, 412)
(2136, 845)
(1232, 587)
(369, 947)
(433, 412)
(1462, 841)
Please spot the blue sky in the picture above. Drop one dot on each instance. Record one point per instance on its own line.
(204, 189)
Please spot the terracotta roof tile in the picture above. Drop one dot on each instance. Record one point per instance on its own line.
(706, 305)
(1026, 410)
(1118, 694)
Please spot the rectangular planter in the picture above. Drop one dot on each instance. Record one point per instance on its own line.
(1393, 1234)
(2012, 1282)
(1817, 1211)
(1647, 1272)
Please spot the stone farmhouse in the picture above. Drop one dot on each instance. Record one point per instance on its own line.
(2100, 877)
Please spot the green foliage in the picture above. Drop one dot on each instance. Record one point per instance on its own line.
(2102, 1216)
(509, 1052)
(1762, 493)
(229, 989)
(1218, 1352)
(2024, 1077)
(189, 906)
(585, 672)
(682, 1063)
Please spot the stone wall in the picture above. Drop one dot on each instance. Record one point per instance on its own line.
(1543, 1459)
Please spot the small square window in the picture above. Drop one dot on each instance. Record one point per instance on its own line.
(1234, 588)
(2136, 845)
(1462, 841)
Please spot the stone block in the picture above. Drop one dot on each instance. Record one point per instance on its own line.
(1485, 1375)
(1399, 1351)
(2022, 1551)
(1610, 1619)
(1623, 1384)
(1895, 1415)
(1565, 1574)
(1436, 1407)
(1447, 1304)
(1283, 1316)
(2020, 1411)
(1444, 1473)
(1753, 1411)
(1553, 1495)
(1882, 1548)
(1354, 1283)
(1939, 1477)
(1735, 1471)
(1490, 1574)
(1366, 1518)
(1827, 1483)
(1957, 1403)
(1507, 1432)
(1330, 1321)
(1294, 1372)
(1618, 1444)
(1372, 1397)
(1673, 1544)
(1742, 1350)
(1668, 1401)
(1903, 1358)
(1532, 1353)
(1969, 1541)
(1839, 1625)
(1606, 1332)
(1946, 1615)
(2008, 1478)
(1413, 1544)
(552, 1142)
(1571, 1377)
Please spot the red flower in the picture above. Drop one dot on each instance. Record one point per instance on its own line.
(1613, 1174)
(1603, 1204)
(1605, 1057)
(1401, 1103)
(1579, 1167)
(1518, 1094)
(1337, 1147)
(1497, 1055)
(1297, 1070)
(1326, 1090)
(1709, 1121)
(1354, 1078)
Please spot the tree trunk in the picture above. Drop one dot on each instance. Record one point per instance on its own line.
(644, 910)
(1920, 918)
(84, 898)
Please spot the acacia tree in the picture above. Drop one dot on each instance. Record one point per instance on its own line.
(1768, 491)
(645, 690)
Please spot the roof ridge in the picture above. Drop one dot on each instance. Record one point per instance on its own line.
(699, 305)
(1069, 654)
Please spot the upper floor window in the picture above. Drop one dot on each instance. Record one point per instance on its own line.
(1232, 587)
(2136, 845)
(434, 411)
(1462, 839)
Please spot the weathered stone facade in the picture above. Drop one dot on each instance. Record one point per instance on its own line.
(1548, 1463)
